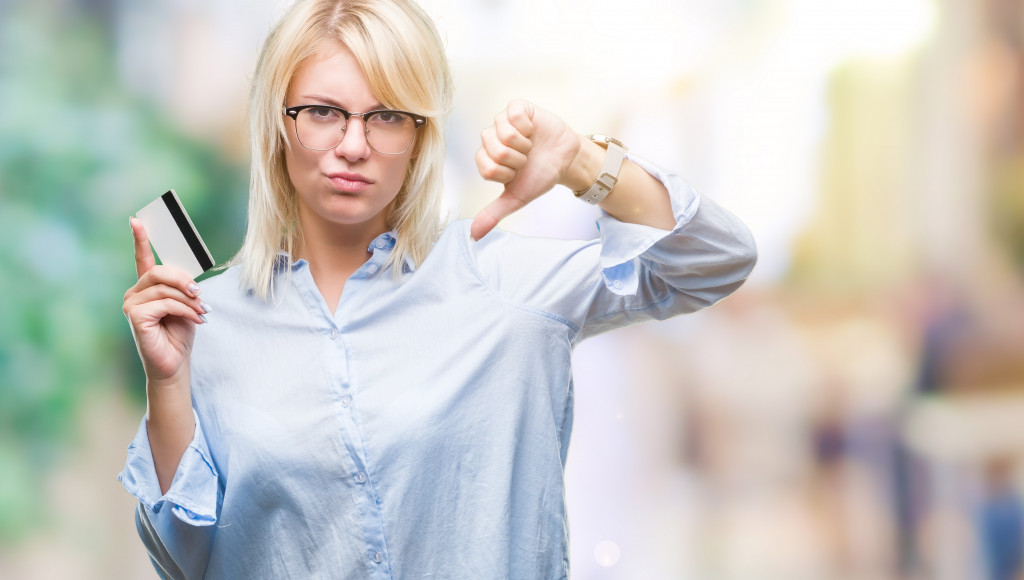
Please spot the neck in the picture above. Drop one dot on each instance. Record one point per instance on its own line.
(334, 252)
(328, 245)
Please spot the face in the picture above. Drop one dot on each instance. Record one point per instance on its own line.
(350, 185)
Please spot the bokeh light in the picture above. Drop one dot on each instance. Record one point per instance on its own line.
(607, 554)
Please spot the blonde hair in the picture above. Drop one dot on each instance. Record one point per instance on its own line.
(400, 51)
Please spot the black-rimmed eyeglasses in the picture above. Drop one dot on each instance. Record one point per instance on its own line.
(322, 127)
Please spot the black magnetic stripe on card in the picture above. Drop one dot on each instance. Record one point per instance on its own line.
(186, 230)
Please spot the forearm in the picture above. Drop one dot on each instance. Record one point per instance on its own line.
(171, 426)
(638, 197)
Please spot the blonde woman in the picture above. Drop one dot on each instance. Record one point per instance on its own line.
(366, 392)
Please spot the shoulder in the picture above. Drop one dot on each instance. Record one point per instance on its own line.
(223, 284)
(229, 298)
(496, 248)
(456, 238)
(239, 318)
(504, 246)
(507, 261)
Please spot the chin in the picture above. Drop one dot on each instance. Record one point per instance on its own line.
(352, 213)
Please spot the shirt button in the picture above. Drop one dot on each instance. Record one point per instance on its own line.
(378, 557)
(373, 268)
(617, 284)
(334, 333)
(361, 477)
(380, 243)
(346, 400)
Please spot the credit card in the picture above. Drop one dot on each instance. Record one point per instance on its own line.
(173, 235)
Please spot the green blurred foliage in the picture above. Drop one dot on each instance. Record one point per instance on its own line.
(78, 155)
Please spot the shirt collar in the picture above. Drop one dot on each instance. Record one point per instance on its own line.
(383, 243)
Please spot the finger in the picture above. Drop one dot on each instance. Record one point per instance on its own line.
(151, 313)
(161, 291)
(171, 276)
(144, 259)
(491, 170)
(489, 217)
(509, 135)
(520, 115)
(499, 152)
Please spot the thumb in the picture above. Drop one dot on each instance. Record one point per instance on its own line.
(496, 211)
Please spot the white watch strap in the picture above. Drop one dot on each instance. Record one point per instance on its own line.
(596, 193)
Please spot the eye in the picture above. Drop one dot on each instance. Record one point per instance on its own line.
(390, 118)
(322, 114)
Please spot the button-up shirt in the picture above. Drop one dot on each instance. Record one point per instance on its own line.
(421, 430)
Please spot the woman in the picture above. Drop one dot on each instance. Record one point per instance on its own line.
(374, 395)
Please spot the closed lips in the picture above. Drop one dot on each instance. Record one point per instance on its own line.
(349, 177)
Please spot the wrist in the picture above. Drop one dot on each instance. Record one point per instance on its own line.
(169, 401)
(585, 167)
(608, 175)
(179, 381)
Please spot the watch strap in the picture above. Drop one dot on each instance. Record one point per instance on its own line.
(616, 153)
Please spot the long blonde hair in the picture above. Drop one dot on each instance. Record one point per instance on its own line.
(400, 51)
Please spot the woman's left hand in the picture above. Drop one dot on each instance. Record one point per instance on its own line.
(528, 149)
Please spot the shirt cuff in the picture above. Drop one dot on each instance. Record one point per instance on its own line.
(622, 243)
(192, 497)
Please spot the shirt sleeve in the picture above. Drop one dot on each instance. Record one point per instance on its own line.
(176, 527)
(632, 273)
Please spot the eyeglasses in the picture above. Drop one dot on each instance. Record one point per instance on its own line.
(322, 127)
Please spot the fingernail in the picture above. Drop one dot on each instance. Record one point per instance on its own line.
(193, 288)
(203, 318)
(206, 307)
(130, 224)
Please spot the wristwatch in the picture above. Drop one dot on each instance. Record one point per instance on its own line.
(596, 193)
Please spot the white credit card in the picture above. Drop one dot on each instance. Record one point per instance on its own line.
(173, 235)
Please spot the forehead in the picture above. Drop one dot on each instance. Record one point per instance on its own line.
(332, 74)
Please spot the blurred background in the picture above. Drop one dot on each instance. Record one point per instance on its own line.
(853, 412)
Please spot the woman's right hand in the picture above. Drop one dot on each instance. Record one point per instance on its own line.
(163, 308)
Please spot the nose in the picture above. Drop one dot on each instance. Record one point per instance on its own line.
(353, 145)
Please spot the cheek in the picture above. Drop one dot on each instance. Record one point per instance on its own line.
(297, 165)
(398, 173)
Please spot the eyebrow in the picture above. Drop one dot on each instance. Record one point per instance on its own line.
(334, 103)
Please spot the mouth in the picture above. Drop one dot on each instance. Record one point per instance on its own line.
(349, 182)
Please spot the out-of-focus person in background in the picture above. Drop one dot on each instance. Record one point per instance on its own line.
(1001, 521)
(366, 392)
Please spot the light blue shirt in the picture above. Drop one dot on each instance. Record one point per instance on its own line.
(421, 431)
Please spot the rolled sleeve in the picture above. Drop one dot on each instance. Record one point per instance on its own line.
(192, 497)
(623, 243)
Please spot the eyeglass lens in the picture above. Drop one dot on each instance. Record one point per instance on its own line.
(322, 128)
